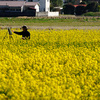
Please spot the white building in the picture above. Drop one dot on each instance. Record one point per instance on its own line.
(19, 5)
(43, 9)
(32, 4)
(44, 5)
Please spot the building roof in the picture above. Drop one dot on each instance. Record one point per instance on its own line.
(31, 3)
(12, 3)
(17, 3)
(80, 5)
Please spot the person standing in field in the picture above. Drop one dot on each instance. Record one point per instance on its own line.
(25, 34)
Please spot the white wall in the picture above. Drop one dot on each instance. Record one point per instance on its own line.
(37, 8)
(47, 14)
(53, 14)
(47, 5)
(44, 5)
(41, 14)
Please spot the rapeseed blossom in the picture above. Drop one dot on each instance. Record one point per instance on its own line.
(52, 65)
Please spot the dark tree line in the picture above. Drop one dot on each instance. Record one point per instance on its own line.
(79, 10)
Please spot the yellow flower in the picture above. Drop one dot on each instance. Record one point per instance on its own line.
(53, 64)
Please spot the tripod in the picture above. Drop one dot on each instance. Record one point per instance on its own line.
(10, 37)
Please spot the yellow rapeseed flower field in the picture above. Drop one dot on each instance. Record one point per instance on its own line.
(52, 65)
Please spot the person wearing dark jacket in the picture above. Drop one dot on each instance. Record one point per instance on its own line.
(25, 34)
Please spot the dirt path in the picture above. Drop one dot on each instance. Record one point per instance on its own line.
(65, 27)
(57, 27)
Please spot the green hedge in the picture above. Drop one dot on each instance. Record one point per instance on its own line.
(92, 14)
(80, 10)
(68, 9)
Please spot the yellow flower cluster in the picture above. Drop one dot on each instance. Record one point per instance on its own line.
(52, 65)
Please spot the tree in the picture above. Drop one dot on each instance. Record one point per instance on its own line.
(87, 1)
(56, 3)
(80, 10)
(92, 7)
(68, 9)
(70, 1)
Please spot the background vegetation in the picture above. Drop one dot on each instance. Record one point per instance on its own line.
(66, 21)
(80, 9)
(92, 14)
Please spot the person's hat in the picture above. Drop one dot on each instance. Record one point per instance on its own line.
(24, 27)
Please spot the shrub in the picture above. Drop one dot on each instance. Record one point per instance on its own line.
(92, 14)
(68, 9)
(80, 10)
(92, 7)
(99, 8)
